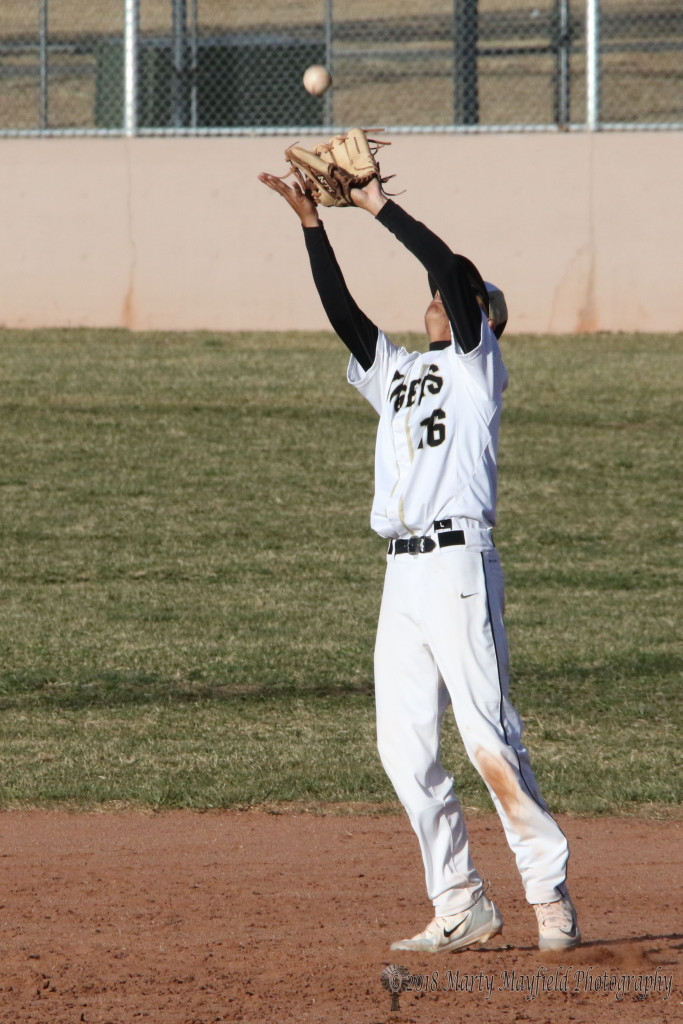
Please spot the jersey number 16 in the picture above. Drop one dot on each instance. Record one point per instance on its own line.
(435, 433)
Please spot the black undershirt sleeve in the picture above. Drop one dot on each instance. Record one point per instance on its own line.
(456, 278)
(355, 329)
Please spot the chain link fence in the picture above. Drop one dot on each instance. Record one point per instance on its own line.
(225, 66)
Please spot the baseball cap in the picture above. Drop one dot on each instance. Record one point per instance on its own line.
(498, 310)
(491, 296)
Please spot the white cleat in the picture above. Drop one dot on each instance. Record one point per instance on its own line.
(557, 925)
(476, 924)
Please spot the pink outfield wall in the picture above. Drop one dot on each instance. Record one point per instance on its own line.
(583, 231)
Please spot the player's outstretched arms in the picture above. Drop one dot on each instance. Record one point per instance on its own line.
(303, 205)
(457, 280)
(431, 251)
(355, 329)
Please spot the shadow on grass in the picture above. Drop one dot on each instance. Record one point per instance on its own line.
(628, 675)
(120, 689)
(633, 678)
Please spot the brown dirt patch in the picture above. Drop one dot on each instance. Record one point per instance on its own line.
(184, 918)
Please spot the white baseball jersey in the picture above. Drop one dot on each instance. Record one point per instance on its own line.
(437, 440)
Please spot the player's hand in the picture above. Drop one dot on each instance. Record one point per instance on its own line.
(301, 203)
(370, 198)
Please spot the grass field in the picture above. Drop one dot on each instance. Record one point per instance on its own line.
(190, 585)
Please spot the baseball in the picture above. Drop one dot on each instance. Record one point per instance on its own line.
(317, 79)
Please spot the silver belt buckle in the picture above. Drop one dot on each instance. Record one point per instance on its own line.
(420, 545)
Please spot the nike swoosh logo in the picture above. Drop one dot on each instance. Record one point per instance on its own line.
(465, 596)
(447, 934)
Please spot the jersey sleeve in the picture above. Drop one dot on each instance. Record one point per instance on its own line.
(484, 365)
(373, 383)
(456, 278)
(355, 329)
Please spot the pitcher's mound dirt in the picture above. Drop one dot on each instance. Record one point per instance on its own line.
(184, 918)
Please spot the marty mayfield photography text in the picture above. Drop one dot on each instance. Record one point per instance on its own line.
(558, 979)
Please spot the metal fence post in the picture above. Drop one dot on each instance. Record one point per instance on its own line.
(130, 67)
(194, 37)
(592, 65)
(178, 77)
(465, 41)
(44, 84)
(562, 40)
(329, 24)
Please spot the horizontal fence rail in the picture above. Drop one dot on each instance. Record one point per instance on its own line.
(208, 66)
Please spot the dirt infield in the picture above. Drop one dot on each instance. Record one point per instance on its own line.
(185, 918)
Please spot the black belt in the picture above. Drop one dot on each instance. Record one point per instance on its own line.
(418, 545)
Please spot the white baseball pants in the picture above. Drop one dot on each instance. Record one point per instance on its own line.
(440, 640)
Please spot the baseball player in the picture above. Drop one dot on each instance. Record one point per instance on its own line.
(440, 637)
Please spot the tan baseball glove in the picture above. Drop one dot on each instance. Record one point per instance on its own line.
(329, 171)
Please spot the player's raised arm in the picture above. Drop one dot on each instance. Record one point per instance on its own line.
(355, 329)
(456, 279)
(294, 195)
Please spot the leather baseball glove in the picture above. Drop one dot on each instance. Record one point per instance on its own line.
(329, 171)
